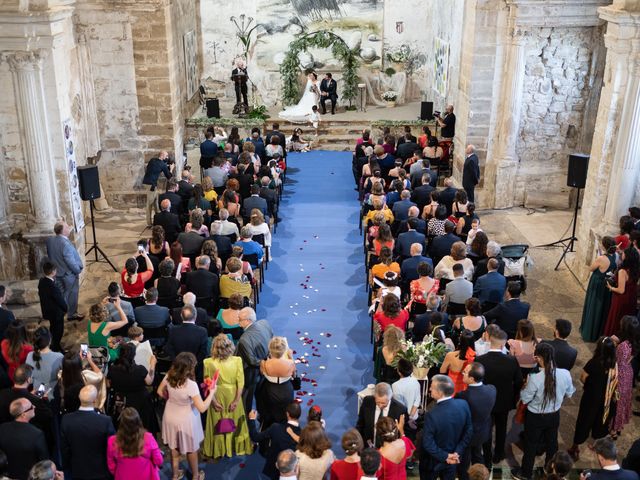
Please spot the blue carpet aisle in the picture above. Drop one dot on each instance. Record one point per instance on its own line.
(314, 295)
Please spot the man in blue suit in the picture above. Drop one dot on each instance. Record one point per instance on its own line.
(68, 264)
(447, 432)
(401, 209)
(406, 239)
(481, 399)
(421, 225)
(490, 288)
(448, 195)
(255, 201)
(152, 315)
(441, 245)
(409, 267)
(507, 314)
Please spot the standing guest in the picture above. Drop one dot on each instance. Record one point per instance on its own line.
(169, 221)
(447, 195)
(523, 347)
(229, 318)
(455, 362)
(288, 465)
(252, 348)
(565, 354)
(623, 240)
(349, 468)
(503, 372)
(24, 444)
(470, 172)
(45, 470)
(84, 436)
(370, 463)
(52, 303)
(380, 404)
(99, 328)
(227, 402)
(395, 451)
(132, 281)
(275, 132)
(543, 395)
(314, 452)
(599, 378)
(64, 256)
(276, 389)
(181, 424)
(447, 432)
(628, 347)
(507, 314)
(407, 389)
(188, 337)
(133, 452)
(560, 466)
(490, 287)
(447, 123)
(632, 460)
(281, 436)
(598, 297)
(156, 166)
(6, 315)
(14, 347)
(624, 298)
(45, 363)
(384, 369)
(74, 377)
(481, 399)
(607, 455)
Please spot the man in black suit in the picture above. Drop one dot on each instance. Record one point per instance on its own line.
(208, 150)
(447, 432)
(152, 315)
(407, 239)
(401, 208)
(6, 315)
(84, 434)
(407, 148)
(409, 267)
(380, 404)
(201, 282)
(448, 194)
(328, 91)
(52, 304)
(565, 355)
(503, 372)
(244, 179)
(270, 195)
(170, 222)
(441, 244)
(173, 197)
(279, 438)
(470, 172)
(202, 318)
(421, 168)
(191, 244)
(507, 314)
(23, 443)
(481, 399)
(421, 225)
(282, 140)
(255, 201)
(407, 138)
(185, 188)
(188, 337)
(421, 196)
(607, 455)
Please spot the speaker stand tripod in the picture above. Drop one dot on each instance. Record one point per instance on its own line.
(95, 248)
(568, 242)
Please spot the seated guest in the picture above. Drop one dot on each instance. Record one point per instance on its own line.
(188, 337)
(472, 321)
(255, 201)
(493, 251)
(405, 240)
(436, 225)
(191, 241)
(202, 318)
(235, 281)
(424, 323)
(349, 467)
(465, 226)
(431, 209)
(23, 444)
(115, 291)
(407, 137)
(377, 193)
(421, 195)
(441, 245)
(507, 314)
(143, 347)
(226, 227)
(223, 243)
(175, 200)
(167, 284)
(132, 281)
(197, 219)
(419, 169)
(478, 247)
(459, 290)
(217, 175)
(447, 195)
(384, 369)
(182, 264)
(458, 256)
(490, 288)
(409, 269)
(208, 192)
(201, 282)
(152, 315)
(229, 318)
(384, 238)
(99, 327)
(400, 209)
(423, 285)
(391, 313)
(379, 206)
(386, 265)
(259, 226)
(380, 404)
(421, 225)
(433, 151)
(565, 354)
(288, 465)
(270, 195)
(249, 247)
(84, 436)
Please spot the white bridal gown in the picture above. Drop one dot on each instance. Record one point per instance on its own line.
(300, 113)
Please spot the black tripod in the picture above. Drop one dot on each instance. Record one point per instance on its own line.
(95, 248)
(568, 242)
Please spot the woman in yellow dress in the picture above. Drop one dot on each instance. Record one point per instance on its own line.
(227, 402)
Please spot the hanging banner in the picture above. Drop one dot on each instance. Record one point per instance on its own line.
(72, 171)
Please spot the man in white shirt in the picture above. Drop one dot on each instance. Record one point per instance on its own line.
(226, 227)
(288, 465)
(459, 290)
(407, 389)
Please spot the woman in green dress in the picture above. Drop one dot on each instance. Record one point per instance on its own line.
(598, 296)
(99, 327)
(227, 402)
(229, 318)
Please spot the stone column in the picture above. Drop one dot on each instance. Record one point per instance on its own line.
(502, 164)
(26, 69)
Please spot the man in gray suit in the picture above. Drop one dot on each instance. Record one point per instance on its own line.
(68, 264)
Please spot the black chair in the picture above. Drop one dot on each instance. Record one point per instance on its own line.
(253, 260)
(456, 309)
(157, 336)
(208, 303)
(233, 237)
(134, 301)
(170, 302)
(260, 239)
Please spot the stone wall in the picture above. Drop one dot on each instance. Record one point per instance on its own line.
(560, 71)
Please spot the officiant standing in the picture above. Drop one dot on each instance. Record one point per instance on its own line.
(239, 76)
(328, 91)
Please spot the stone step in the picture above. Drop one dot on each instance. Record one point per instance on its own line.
(539, 199)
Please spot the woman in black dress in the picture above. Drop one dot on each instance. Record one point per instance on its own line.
(276, 390)
(167, 284)
(599, 378)
(130, 380)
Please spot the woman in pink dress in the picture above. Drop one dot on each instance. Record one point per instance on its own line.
(181, 425)
(628, 346)
(133, 452)
(624, 298)
(396, 449)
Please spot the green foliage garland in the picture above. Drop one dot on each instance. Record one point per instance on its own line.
(290, 67)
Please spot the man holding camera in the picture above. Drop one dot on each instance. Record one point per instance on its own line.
(157, 165)
(447, 123)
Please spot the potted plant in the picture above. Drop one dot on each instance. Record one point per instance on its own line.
(390, 97)
(423, 355)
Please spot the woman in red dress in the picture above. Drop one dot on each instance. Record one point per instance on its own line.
(15, 347)
(455, 362)
(624, 298)
(396, 449)
(132, 281)
(349, 468)
(391, 313)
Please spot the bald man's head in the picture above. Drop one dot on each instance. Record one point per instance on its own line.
(165, 205)
(189, 299)
(88, 395)
(413, 212)
(416, 249)
(470, 149)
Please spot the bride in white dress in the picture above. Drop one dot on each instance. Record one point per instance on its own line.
(300, 113)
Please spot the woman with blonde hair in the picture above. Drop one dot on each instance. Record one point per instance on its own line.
(276, 391)
(258, 226)
(227, 403)
(99, 327)
(314, 452)
(387, 356)
(444, 269)
(208, 192)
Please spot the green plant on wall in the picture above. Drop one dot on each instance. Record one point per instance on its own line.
(290, 67)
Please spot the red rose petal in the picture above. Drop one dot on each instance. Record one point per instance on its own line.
(294, 352)
(310, 401)
(319, 343)
(241, 465)
(327, 334)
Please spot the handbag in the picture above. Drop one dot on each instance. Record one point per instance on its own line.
(225, 425)
(296, 381)
(521, 411)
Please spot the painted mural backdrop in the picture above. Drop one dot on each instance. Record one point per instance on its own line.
(441, 66)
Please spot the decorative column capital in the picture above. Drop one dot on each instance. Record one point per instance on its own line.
(24, 60)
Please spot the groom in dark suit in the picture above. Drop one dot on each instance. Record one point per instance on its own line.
(328, 91)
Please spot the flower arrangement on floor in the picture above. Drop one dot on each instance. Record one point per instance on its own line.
(423, 355)
(390, 96)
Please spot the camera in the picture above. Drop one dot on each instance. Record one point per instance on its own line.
(586, 473)
(84, 348)
(610, 278)
(436, 113)
(41, 390)
(112, 300)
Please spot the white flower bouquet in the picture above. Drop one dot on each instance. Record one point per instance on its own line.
(390, 96)
(425, 354)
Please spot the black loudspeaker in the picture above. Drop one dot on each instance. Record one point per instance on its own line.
(426, 111)
(213, 108)
(89, 182)
(577, 171)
